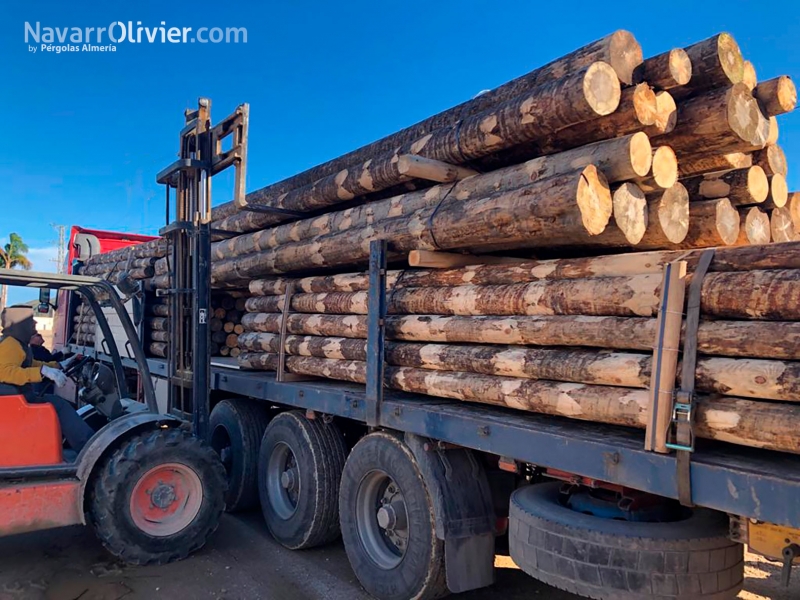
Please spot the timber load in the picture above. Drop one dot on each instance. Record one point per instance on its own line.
(566, 337)
(538, 220)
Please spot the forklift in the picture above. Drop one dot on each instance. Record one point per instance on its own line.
(148, 482)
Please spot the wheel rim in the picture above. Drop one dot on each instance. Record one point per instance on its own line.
(283, 481)
(382, 519)
(166, 499)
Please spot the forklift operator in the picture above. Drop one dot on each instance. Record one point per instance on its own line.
(18, 371)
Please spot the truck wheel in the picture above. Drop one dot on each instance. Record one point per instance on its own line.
(609, 559)
(300, 466)
(387, 522)
(237, 426)
(157, 497)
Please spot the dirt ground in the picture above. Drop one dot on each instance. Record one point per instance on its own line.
(243, 562)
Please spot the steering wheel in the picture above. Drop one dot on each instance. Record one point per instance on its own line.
(76, 366)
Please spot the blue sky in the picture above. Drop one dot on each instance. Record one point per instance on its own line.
(85, 133)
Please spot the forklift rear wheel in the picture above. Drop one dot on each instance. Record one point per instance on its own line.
(387, 522)
(158, 497)
(237, 426)
(612, 559)
(300, 467)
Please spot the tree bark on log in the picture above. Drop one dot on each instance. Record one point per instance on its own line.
(723, 120)
(756, 229)
(776, 96)
(149, 249)
(716, 62)
(720, 338)
(726, 295)
(751, 423)
(619, 160)
(665, 71)
(772, 159)
(712, 163)
(614, 265)
(563, 209)
(741, 186)
(712, 223)
(604, 296)
(750, 378)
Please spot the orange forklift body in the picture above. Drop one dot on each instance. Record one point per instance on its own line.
(29, 433)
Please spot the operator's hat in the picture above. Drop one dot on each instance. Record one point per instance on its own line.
(15, 315)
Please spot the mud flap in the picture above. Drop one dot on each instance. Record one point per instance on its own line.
(463, 512)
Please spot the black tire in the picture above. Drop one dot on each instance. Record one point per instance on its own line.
(118, 481)
(304, 514)
(609, 559)
(420, 571)
(236, 427)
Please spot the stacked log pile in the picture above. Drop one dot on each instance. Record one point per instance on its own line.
(597, 154)
(226, 324)
(156, 327)
(568, 337)
(83, 329)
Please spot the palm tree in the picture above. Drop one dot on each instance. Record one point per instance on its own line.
(13, 255)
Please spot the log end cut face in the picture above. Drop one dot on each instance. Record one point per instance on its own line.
(794, 209)
(757, 226)
(601, 88)
(673, 213)
(667, 113)
(641, 153)
(630, 211)
(757, 183)
(645, 104)
(787, 93)
(665, 167)
(782, 228)
(625, 55)
(778, 190)
(594, 200)
(745, 117)
(680, 66)
(730, 57)
(728, 221)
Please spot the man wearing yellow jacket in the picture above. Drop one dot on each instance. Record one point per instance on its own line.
(18, 371)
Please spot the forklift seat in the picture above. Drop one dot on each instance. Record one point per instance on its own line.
(29, 433)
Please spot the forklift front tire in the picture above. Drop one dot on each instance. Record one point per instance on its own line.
(158, 497)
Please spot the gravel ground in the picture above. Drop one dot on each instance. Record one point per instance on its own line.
(243, 562)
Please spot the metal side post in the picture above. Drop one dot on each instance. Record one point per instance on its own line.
(375, 331)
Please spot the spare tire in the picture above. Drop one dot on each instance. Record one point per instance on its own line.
(609, 559)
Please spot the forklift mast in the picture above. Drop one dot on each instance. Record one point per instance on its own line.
(188, 232)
